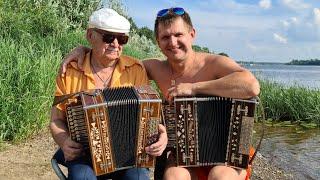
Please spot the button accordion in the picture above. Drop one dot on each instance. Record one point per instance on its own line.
(207, 131)
(116, 124)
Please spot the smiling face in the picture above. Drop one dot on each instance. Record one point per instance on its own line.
(175, 39)
(102, 50)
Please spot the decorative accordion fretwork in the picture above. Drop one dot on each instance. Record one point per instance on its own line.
(209, 130)
(115, 125)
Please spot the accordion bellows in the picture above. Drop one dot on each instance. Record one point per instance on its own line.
(116, 124)
(207, 131)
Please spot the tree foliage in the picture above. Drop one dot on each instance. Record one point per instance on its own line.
(305, 62)
(21, 19)
(224, 54)
(148, 33)
(200, 49)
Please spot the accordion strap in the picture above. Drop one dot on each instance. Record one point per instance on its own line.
(59, 99)
(262, 134)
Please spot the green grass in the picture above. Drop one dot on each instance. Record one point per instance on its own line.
(295, 104)
(27, 76)
(27, 80)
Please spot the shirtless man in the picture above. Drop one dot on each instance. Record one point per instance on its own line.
(186, 72)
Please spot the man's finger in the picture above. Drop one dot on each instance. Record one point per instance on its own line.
(162, 129)
(64, 69)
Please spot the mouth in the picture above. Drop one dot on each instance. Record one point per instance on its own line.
(112, 50)
(174, 49)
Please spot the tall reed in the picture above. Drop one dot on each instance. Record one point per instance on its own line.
(293, 103)
(27, 75)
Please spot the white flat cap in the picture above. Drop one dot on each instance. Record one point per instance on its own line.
(109, 20)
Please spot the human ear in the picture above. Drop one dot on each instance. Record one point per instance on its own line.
(89, 35)
(193, 33)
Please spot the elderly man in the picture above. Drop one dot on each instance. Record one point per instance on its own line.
(186, 72)
(103, 67)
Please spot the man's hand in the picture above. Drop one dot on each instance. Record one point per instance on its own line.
(157, 148)
(77, 55)
(182, 89)
(71, 149)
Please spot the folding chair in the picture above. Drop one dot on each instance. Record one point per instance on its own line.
(55, 161)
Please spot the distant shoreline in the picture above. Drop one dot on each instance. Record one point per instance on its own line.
(312, 62)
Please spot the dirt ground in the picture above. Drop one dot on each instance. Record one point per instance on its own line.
(31, 160)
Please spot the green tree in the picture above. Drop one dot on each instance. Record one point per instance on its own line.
(196, 48)
(223, 54)
(200, 49)
(148, 33)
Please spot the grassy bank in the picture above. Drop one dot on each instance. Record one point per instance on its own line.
(27, 73)
(291, 104)
(27, 70)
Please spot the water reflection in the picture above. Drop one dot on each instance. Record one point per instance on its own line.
(294, 149)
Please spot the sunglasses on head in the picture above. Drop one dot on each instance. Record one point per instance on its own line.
(109, 37)
(176, 10)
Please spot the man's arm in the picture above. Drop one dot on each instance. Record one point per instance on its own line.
(231, 80)
(60, 134)
(158, 147)
(58, 125)
(236, 85)
(77, 54)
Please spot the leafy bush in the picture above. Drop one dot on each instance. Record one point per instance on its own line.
(142, 47)
(77, 12)
(28, 18)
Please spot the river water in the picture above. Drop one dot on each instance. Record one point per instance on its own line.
(305, 76)
(294, 149)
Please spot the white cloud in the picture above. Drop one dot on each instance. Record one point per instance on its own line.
(293, 21)
(231, 6)
(303, 28)
(251, 46)
(316, 12)
(279, 38)
(295, 4)
(285, 23)
(265, 4)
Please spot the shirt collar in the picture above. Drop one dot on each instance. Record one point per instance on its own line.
(124, 61)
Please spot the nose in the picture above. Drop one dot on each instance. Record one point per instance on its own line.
(172, 41)
(115, 43)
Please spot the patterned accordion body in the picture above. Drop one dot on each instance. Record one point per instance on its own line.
(206, 131)
(116, 124)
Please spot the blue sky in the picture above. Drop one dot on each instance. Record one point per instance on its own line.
(251, 30)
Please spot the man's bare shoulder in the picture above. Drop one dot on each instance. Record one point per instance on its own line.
(212, 58)
(154, 67)
(217, 60)
(153, 63)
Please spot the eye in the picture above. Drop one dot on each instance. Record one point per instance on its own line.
(178, 35)
(165, 37)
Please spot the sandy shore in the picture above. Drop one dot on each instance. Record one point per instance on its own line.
(31, 160)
